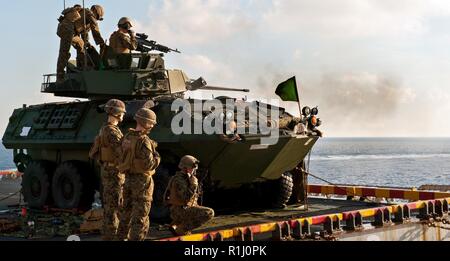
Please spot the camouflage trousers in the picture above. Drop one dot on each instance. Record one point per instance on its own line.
(112, 182)
(137, 201)
(189, 218)
(66, 32)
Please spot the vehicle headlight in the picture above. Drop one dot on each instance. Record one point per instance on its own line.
(306, 111)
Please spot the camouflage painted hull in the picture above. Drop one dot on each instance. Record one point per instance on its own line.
(65, 131)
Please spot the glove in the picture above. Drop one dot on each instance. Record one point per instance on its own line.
(131, 33)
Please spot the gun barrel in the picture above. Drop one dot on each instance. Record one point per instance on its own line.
(215, 88)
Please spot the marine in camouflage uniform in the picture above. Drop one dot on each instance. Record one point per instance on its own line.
(72, 31)
(123, 41)
(182, 196)
(140, 160)
(107, 150)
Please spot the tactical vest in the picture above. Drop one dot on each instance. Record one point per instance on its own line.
(75, 16)
(116, 43)
(173, 198)
(79, 24)
(133, 165)
(102, 150)
(72, 14)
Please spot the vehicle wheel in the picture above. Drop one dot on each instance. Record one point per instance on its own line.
(36, 184)
(161, 179)
(72, 186)
(283, 190)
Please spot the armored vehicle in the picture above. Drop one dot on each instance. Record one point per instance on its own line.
(51, 141)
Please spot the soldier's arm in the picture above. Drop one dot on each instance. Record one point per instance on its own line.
(129, 42)
(96, 31)
(115, 140)
(85, 37)
(134, 44)
(146, 152)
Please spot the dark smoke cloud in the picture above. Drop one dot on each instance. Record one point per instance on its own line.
(364, 96)
(351, 104)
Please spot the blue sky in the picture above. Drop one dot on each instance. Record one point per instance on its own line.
(374, 67)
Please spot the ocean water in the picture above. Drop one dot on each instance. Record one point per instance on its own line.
(398, 162)
(6, 159)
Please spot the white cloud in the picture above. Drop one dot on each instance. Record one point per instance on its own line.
(197, 21)
(353, 57)
(297, 54)
(354, 18)
(197, 65)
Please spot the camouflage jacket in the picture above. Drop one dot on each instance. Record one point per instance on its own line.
(122, 42)
(74, 20)
(108, 145)
(139, 154)
(182, 190)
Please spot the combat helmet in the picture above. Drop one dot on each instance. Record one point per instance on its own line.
(98, 9)
(115, 107)
(123, 21)
(145, 116)
(188, 162)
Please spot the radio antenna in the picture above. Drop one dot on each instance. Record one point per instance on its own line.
(85, 49)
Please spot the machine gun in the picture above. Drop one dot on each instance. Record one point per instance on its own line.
(145, 45)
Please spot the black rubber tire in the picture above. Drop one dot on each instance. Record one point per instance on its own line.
(283, 190)
(36, 188)
(73, 186)
(161, 179)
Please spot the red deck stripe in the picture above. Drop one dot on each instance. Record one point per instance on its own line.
(340, 191)
(315, 189)
(318, 220)
(368, 192)
(396, 193)
(411, 205)
(294, 223)
(255, 229)
(6, 173)
(426, 195)
(346, 215)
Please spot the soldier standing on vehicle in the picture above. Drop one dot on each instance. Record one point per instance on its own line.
(182, 196)
(140, 160)
(73, 31)
(107, 150)
(123, 41)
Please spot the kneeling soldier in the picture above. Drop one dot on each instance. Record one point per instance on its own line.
(182, 196)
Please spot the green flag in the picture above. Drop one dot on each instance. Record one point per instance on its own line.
(288, 90)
